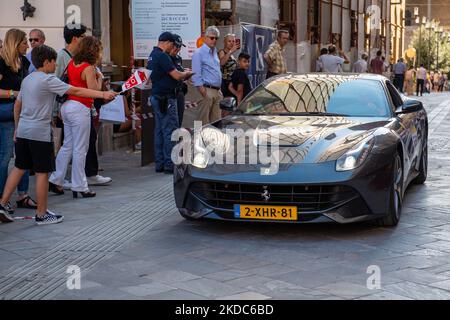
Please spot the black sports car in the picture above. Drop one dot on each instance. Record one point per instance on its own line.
(313, 148)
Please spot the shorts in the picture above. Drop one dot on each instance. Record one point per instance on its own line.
(35, 155)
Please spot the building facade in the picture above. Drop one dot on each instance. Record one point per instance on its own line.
(355, 26)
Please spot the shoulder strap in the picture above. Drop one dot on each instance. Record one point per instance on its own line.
(68, 53)
(65, 70)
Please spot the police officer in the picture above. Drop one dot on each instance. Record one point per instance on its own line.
(165, 80)
(182, 88)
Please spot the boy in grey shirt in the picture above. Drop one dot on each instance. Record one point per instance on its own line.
(33, 136)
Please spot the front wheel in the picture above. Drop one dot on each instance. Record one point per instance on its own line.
(423, 167)
(395, 203)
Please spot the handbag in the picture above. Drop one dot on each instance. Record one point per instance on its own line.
(114, 111)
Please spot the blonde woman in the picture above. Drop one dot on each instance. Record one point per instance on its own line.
(13, 69)
(228, 62)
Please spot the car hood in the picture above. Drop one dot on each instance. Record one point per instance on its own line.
(300, 139)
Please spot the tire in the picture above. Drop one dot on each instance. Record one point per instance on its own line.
(396, 196)
(423, 167)
(185, 216)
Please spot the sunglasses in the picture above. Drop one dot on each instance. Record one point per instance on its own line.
(213, 38)
(34, 40)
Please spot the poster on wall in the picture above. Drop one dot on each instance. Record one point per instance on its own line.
(152, 17)
(256, 40)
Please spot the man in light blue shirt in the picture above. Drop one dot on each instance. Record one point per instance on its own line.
(36, 38)
(399, 72)
(208, 77)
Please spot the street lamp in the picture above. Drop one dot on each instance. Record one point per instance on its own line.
(421, 23)
(431, 25)
(439, 32)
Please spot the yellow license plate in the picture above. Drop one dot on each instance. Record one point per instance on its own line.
(242, 211)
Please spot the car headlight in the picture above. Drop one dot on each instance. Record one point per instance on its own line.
(201, 155)
(215, 140)
(353, 158)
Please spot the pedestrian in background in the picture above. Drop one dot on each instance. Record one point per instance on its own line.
(228, 62)
(399, 74)
(409, 81)
(332, 62)
(33, 116)
(360, 66)
(36, 38)
(274, 56)
(421, 78)
(208, 77)
(76, 116)
(319, 63)
(182, 87)
(377, 64)
(13, 70)
(441, 82)
(165, 80)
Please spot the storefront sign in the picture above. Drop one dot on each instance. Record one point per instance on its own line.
(150, 18)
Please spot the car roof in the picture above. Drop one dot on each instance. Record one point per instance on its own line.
(306, 77)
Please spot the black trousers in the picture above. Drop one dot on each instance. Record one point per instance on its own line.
(91, 167)
(420, 84)
(399, 81)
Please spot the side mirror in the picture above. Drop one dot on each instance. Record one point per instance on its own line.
(228, 104)
(410, 106)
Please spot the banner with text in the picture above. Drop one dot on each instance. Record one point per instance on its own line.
(150, 18)
(256, 40)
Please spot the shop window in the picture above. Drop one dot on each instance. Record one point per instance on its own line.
(288, 17)
(314, 21)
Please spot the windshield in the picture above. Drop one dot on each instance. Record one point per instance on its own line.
(341, 96)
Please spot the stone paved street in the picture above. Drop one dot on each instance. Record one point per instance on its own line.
(130, 243)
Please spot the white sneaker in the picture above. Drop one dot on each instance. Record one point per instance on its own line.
(67, 185)
(98, 180)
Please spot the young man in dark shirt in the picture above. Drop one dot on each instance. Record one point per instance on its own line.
(240, 85)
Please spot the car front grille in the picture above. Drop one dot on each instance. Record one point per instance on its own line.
(307, 198)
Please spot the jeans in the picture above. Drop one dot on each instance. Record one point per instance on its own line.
(165, 125)
(77, 127)
(6, 153)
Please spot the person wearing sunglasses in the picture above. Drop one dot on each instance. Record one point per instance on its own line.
(208, 76)
(36, 38)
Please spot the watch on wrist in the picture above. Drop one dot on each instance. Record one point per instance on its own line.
(11, 94)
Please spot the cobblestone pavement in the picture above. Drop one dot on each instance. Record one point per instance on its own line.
(130, 243)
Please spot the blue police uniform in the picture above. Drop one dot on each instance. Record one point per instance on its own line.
(164, 104)
(181, 88)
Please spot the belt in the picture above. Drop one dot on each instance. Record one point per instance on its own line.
(211, 87)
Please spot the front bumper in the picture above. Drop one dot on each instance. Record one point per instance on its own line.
(320, 193)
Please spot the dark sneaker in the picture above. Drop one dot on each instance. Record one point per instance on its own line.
(4, 215)
(9, 208)
(49, 218)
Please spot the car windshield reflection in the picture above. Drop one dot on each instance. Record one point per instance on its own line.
(349, 96)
